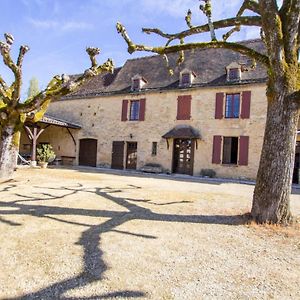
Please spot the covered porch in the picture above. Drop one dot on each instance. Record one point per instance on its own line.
(61, 134)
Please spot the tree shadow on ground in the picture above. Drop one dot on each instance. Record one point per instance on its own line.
(94, 265)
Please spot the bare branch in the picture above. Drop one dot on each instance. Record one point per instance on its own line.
(290, 17)
(250, 5)
(5, 52)
(206, 9)
(225, 23)
(188, 18)
(182, 47)
(230, 32)
(93, 52)
(23, 50)
(3, 83)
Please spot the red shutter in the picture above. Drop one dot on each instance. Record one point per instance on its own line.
(244, 150)
(216, 155)
(246, 101)
(184, 107)
(142, 109)
(124, 110)
(219, 106)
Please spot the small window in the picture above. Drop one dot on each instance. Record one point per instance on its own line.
(136, 84)
(232, 106)
(134, 110)
(154, 149)
(230, 150)
(186, 78)
(234, 74)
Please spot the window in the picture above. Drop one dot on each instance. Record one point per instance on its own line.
(185, 79)
(134, 110)
(136, 84)
(233, 74)
(154, 149)
(232, 106)
(230, 150)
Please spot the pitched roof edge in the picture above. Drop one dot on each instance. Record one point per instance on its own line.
(107, 94)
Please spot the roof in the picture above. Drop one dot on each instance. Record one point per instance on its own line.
(209, 65)
(58, 122)
(182, 132)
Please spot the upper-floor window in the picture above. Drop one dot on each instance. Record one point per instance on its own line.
(232, 106)
(184, 107)
(134, 110)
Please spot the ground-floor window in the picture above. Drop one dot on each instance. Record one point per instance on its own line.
(230, 150)
(154, 149)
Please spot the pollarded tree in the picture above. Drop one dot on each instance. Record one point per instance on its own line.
(280, 32)
(13, 112)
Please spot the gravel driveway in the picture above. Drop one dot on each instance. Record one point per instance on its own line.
(79, 234)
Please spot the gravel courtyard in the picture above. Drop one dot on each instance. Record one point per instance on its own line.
(78, 234)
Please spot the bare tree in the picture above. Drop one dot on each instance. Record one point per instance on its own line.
(13, 112)
(280, 32)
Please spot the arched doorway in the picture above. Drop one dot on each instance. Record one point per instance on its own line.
(88, 152)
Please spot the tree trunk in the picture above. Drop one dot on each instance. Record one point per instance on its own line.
(271, 199)
(9, 146)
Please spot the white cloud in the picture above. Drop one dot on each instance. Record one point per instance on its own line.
(61, 25)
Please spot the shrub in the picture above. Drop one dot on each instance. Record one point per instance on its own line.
(208, 173)
(45, 153)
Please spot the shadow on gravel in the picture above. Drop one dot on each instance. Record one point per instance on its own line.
(90, 240)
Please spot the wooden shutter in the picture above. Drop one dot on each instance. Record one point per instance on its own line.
(142, 109)
(184, 107)
(124, 110)
(216, 155)
(219, 106)
(244, 150)
(246, 101)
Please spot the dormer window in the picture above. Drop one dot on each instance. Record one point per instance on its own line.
(137, 83)
(186, 78)
(234, 72)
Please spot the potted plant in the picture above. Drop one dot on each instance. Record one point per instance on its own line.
(45, 154)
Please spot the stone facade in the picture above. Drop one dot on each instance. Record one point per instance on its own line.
(100, 118)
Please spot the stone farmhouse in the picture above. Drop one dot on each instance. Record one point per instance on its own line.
(210, 114)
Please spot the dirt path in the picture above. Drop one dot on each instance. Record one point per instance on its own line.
(70, 234)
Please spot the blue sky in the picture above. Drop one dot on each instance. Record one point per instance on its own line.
(58, 31)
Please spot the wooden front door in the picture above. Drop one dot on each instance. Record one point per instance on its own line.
(131, 158)
(117, 157)
(88, 152)
(183, 156)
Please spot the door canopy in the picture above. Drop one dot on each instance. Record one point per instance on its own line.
(182, 132)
